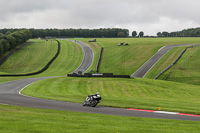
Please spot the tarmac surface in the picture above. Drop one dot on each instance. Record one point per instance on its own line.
(10, 95)
(88, 57)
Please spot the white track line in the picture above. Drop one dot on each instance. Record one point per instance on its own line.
(24, 88)
(165, 112)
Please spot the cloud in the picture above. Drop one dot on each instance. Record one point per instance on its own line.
(149, 16)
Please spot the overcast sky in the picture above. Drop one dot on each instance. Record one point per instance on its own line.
(149, 16)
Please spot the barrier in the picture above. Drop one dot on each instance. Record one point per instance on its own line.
(99, 60)
(105, 75)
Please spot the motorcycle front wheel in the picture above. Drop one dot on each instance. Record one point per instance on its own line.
(84, 104)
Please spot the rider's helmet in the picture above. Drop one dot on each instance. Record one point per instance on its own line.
(98, 93)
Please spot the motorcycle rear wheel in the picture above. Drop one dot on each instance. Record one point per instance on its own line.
(94, 103)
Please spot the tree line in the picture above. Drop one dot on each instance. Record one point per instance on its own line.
(191, 32)
(71, 33)
(10, 39)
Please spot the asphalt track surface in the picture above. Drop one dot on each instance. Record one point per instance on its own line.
(87, 59)
(10, 95)
(142, 71)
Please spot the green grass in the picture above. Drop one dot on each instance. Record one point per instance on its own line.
(69, 59)
(164, 62)
(30, 58)
(127, 59)
(7, 52)
(19, 119)
(187, 69)
(136, 93)
(124, 93)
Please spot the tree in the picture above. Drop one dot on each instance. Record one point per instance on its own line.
(120, 34)
(19, 35)
(12, 41)
(165, 34)
(134, 34)
(1, 35)
(12, 38)
(8, 32)
(1, 49)
(28, 34)
(6, 45)
(159, 34)
(141, 34)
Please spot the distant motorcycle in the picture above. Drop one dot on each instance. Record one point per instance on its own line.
(92, 100)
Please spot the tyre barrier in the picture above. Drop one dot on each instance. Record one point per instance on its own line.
(99, 60)
(6, 57)
(175, 61)
(105, 75)
(40, 71)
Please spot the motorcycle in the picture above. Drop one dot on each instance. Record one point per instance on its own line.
(92, 101)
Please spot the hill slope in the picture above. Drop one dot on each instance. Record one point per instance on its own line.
(127, 59)
(187, 69)
(30, 58)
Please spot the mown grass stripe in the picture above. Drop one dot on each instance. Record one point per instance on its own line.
(20, 119)
(137, 93)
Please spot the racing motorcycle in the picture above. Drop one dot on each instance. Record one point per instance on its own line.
(92, 100)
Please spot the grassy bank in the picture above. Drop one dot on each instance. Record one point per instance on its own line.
(164, 62)
(19, 119)
(69, 59)
(124, 93)
(30, 58)
(187, 69)
(127, 59)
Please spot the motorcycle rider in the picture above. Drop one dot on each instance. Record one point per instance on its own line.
(90, 97)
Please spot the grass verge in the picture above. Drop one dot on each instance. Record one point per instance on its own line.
(124, 93)
(30, 58)
(69, 59)
(19, 119)
(187, 69)
(164, 62)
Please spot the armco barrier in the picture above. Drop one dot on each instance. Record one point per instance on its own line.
(105, 75)
(40, 71)
(6, 57)
(99, 60)
(175, 61)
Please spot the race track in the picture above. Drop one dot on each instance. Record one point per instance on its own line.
(153, 60)
(10, 94)
(87, 59)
